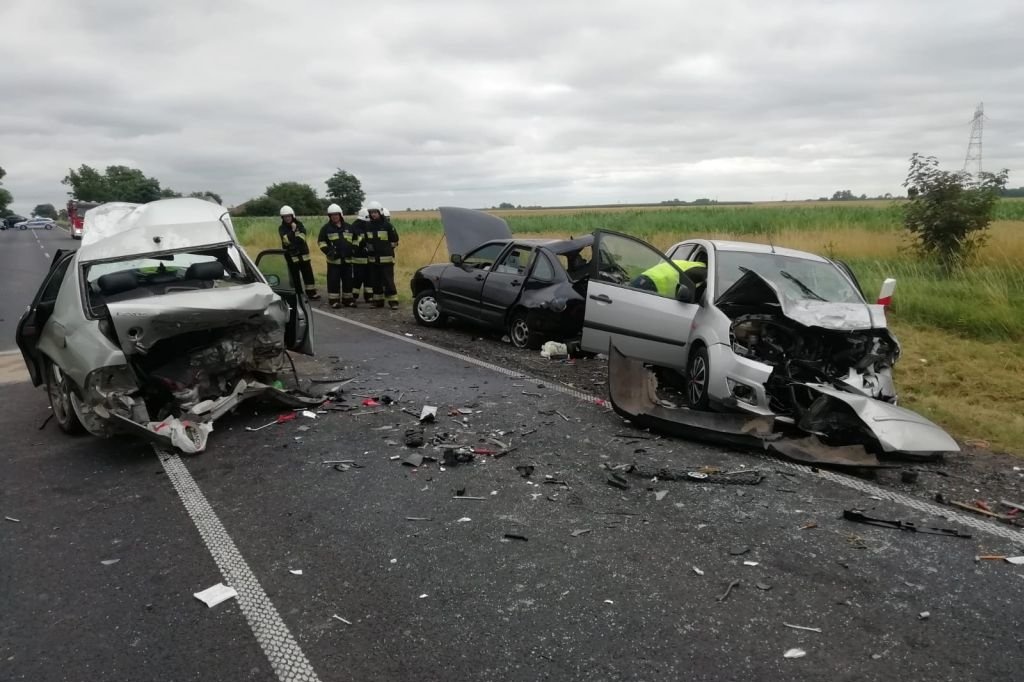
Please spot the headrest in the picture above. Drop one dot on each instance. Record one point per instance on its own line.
(117, 282)
(208, 270)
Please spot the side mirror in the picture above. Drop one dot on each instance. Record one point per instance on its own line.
(686, 292)
(456, 259)
(273, 280)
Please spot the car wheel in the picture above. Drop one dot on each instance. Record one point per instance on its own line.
(520, 333)
(698, 373)
(59, 390)
(427, 310)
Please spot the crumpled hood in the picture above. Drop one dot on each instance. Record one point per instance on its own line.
(753, 289)
(465, 228)
(142, 322)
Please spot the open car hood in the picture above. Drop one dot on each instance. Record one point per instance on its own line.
(465, 228)
(754, 290)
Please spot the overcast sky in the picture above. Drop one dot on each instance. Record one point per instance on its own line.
(532, 102)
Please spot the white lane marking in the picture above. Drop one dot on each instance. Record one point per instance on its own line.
(843, 480)
(46, 254)
(286, 658)
(13, 351)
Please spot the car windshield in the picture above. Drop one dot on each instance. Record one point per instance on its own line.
(167, 273)
(797, 278)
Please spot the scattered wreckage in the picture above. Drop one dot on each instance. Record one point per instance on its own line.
(160, 324)
(532, 289)
(780, 343)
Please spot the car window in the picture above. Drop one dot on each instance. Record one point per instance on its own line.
(577, 263)
(483, 258)
(56, 278)
(544, 271)
(516, 262)
(632, 263)
(681, 252)
(794, 277)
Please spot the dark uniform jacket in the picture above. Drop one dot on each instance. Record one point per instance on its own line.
(380, 236)
(294, 241)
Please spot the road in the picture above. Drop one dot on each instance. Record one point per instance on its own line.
(609, 584)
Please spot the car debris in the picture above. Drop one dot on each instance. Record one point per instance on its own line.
(295, 571)
(711, 475)
(428, 414)
(697, 571)
(617, 481)
(659, 495)
(173, 324)
(980, 507)
(579, 532)
(924, 615)
(553, 350)
(414, 438)
(281, 419)
(728, 590)
(413, 459)
(337, 617)
(109, 562)
(801, 627)
(1015, 560)
(12, 519)
(633, 392)
(859, 516)
(525, 470)
(515, 536)
(794, 653)
(217, 594)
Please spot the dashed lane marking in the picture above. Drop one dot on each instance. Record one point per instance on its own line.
(285, 656)
(847, 481)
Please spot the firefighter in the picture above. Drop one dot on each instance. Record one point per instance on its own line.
(334, 242)
(381, 239)
(360, 276)
(293, 241)
(664, 279)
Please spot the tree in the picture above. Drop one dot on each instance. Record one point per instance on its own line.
(168, 193)
(843, 195)
(345, 189)
(117, 183)
(261, 206)
(301, 197)
(505, 205)
(45, 211)
(948, 211)
(5, 196)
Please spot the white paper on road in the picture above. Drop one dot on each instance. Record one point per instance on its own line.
(1016, 560)
(212, 596)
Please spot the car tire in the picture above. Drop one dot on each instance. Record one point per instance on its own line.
(698, 371)
(426, 309)
(58, 388)
(520, 334)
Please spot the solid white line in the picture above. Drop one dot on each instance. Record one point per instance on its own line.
(286, 658)
(843, 480)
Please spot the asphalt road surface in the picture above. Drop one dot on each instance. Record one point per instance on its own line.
(608, 584)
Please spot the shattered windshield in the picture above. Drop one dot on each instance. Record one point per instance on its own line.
(797, 278)
(156, 275)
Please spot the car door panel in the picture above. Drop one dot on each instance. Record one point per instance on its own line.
(284, 280)
(642, 324)
(504, 284)
(462, 285)
(30, 326)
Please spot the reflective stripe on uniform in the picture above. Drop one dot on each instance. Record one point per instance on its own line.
(305, 256)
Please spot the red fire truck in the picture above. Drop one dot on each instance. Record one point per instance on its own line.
(76, 214)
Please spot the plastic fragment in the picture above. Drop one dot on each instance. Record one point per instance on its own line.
(109, 562)
(698, 571)
(295, 571)
(794, 653)
(212, 596)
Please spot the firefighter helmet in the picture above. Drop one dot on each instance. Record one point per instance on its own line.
(334, 208)
(287, 210)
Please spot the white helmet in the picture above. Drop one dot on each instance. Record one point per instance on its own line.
(364, 213)
(374, 206)
(287, 210)
(386, 213)
(334, 208)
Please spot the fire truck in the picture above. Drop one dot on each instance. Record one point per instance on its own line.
(76, 214)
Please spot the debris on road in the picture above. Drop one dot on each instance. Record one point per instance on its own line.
(909, 476)
(525, 470)
(468, 497)
(581, 531)
(12, 519)
(414, 438)
(980, 507)
(1015, 560)
(659, 495)
(212, 596)
(924, 615)
(464, 519)
(739, 551)
(428, 414)
(801, 627)
(337, 617)
(515, 536)
(697, 571)
(109, 562)
(764, 587)
(617, 481)
(281, 419)
(809, 525)
(708, 475)
(418, 518)
(794, 653)
(413, 459)
(858, 516)
(751, 563)
(370, 402)
(295, 571)
(423, 596)
(728, 590)
(554, 350)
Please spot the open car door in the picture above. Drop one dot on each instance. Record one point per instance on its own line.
(284, 280)
(627, 308)
(31, 324)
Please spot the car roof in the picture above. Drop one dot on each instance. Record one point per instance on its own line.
(560, 246)
(754, 247)
(122, 230)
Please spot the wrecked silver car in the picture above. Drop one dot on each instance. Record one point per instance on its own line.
(775, 333)
(160, 323)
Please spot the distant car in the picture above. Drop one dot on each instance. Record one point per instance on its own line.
(161, 316)
(37, 224)
(533, 289)
(10, 221)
